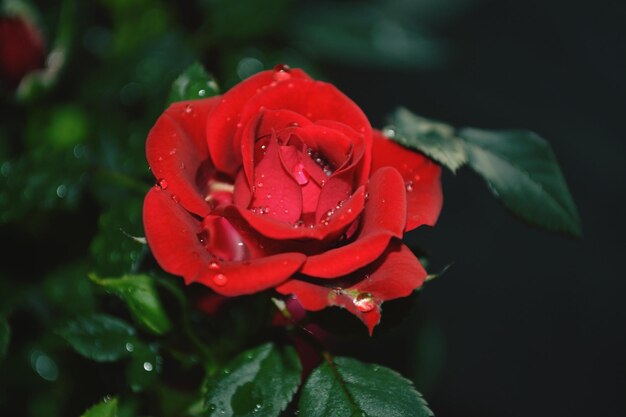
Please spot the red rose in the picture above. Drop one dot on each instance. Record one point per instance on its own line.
(282, 183)
(21, 48)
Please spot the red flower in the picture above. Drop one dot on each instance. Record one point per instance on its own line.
(21, 49)
(281, 183)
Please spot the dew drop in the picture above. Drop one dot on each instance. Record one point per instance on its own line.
(202, 93)
(175, 198)
(298, 224)
(282, 72)
(202, 237)
(130, 347)
(214, 266)
(364, 302)
(61, 191)
(409, 186)
(389, 132)
(147, 366)
(299, 174)
(162, 183)
(188, 109)
(220, 280)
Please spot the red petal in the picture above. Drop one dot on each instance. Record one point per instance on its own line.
(172, 236)
(395, 275)
(224, 125)
(276, 229)
(421, 175)
(176, 148)
(275, 189)
(248, 277)
(315, 100)
(171, 233)
(383, 218)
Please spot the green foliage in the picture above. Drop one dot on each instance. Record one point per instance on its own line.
(436, 140)
(143, 368)
(100, 337)
(518, 166)
(107, 408)
(345, 387)
(260, 381)
(521, 170)
(194, 83)
(5, 337)
(113, 248)
(139, 292)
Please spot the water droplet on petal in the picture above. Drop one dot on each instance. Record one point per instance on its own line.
(202, 237)
(188, 109)
(220, 280)
(214, 265)
(162, 183)
(364, 302)
(409, 186)
(282, 72)
(299, 174)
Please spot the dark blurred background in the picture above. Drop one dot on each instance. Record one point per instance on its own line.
(524, 323)
(530, 323)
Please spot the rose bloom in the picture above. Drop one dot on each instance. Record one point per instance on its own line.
(21, 49)
(282, 183)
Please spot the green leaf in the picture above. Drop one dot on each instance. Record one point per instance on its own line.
(5, 337)
(521, 169)
(100, 337)
(107, 408)
(436, 140)
(346, 387)
(260, 381)
(113, 249)
(139, 292)
(143, 368)
(194, 83)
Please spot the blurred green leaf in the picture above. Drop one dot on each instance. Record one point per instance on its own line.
(139, 292)
(346, 387)
(40, 180)
(194, 83)
(143, 368)
(68, 291)
(244, 19)
(113, 248)
(365, 35)
(100, 337)
(436, 140)
(259, 381)
(5, 337)
(107, 408)
(521, 170)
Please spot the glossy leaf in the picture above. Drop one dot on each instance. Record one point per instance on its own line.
(107, 408)
(522, 171)
(100, 337)
(436, 140)
(345, 387)
(113, 248)
(194, 83)
(260, 381)
(5, 337)
(140, 294)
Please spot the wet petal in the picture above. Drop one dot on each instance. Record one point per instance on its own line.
(176, 150)
(383, 218)
(422, 180)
